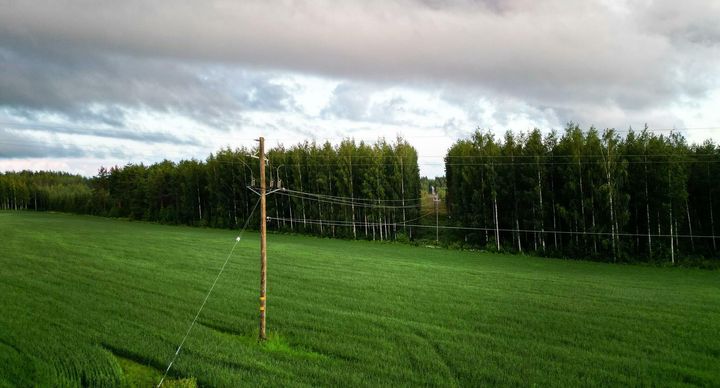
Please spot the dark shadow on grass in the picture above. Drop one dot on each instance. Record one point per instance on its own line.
(139, 370)
(132, 356)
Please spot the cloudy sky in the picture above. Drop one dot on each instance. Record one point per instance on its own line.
(91, 83)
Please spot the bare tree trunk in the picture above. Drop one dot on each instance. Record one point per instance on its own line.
(692, 239)
(594, 237)
(292, 225)
(366, 224)
(352, 206)
(199, 203)
(552, 188)
(285, 199)
(517, 227)
(672, 237)
(535, 234)
(613, 224)
(497, 225)
(582, 201)
(612, 221)
(712, 223)
(277, 214)
(321, 217)
(302, 201)
(647, 211)
(332, 212)
(515, 204)
(234, 191)
(483, 207)
(712, 216)
(535, 228)
(637, 231)
(542, 210)
(577, 232)
(677, 236)
(380, 227)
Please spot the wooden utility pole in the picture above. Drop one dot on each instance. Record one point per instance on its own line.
(263, 244)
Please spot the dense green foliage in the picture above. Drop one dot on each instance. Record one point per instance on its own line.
(79, 291)
(214, 192)
(45, 191)
(586, 194)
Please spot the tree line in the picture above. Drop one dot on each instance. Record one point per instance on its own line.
(585, 194)
(45, 190)
(576, 194)
(352, 190)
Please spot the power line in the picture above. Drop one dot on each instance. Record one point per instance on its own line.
(351, 198)
(450, 227)
(346, 203)
(350, 223)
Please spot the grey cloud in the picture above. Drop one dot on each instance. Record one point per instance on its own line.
(349, 101)
(452, 128)
(574, 59)
(388, 110)
(15, 144)
(266, 96)
(92, 86)
(552, 52)
(352, 101)
(112, 133)
(695, 22)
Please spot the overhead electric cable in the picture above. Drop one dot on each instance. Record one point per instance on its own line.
(347, 223)
(351, 198)
(346, 203)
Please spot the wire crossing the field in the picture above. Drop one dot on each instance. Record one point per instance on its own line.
(350, 223)
(351, 199)
(237, 241)
(364, 203)
(460, 227)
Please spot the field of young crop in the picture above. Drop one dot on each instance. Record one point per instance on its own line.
(101, 302)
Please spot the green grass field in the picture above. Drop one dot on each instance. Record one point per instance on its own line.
(100, 302)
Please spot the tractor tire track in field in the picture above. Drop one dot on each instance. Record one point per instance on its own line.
(132, 356)
(451, 378)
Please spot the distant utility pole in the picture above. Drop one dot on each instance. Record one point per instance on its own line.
(263, 244)
(437, 227)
